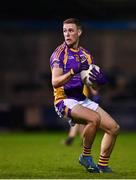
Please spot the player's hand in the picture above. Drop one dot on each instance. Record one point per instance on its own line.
(77, 68)
(98, 77)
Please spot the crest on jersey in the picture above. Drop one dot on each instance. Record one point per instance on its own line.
(77, 57)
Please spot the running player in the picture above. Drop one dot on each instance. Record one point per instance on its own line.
(67, 61)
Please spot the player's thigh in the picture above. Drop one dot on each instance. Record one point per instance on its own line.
(84, 115)
(108, 124)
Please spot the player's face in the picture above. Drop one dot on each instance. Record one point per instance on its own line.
(71, 35)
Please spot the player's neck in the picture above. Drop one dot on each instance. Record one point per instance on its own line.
(74, 46)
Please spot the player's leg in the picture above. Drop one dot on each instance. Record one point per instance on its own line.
(80, 130)
(91, 118)
(73, 130)
(81, 114)
(72, 134)
(111, 128)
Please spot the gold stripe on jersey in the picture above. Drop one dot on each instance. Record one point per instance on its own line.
(89, 59)
(59, 94)
(86, 91)
(74, 50)
(65, 56)
(59, 50)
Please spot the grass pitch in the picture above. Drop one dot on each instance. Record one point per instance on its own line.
(43, 155)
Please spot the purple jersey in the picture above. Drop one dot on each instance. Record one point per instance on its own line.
(65, 57)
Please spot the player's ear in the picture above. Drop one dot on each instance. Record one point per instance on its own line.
(79, 32)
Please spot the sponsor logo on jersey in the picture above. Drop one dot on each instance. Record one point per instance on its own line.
(70, 57)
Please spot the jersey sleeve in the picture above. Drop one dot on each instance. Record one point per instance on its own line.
(56, 61)
(89, 57)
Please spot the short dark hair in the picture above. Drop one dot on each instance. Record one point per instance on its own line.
(73, 21)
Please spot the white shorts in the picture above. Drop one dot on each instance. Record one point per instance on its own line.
(64, 107)
(70, 103)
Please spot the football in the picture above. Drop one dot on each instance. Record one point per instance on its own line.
(85, 74)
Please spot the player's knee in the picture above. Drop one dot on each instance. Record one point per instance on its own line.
(95, 120)
(115, 129)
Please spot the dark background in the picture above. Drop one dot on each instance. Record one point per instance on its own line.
(55, 10)
(30, 31)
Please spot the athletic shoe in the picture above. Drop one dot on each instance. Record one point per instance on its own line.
(88, 163)
(104, 169)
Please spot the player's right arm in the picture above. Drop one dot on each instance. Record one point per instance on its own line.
(58, 78)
